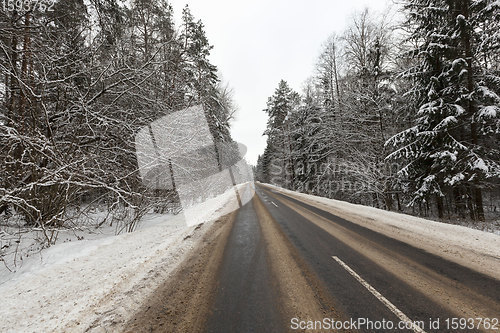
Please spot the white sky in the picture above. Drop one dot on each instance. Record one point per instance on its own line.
(257, 43)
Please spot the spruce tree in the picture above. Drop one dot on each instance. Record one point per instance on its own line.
(453, 145)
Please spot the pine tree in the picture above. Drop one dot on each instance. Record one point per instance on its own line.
(279, 108)
(203, 85)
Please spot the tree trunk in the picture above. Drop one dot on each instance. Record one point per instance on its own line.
(459, 202)
(439, 203)
(13, 83)
(477, 211)
(24, 69)
(470, 204)
(478, 198)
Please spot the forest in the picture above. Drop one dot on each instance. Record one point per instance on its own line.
(402, 113)
(78, 81)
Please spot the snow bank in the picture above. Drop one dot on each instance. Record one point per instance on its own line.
(468, 247)
(74, 285)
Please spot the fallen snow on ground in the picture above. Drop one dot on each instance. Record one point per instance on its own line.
(472, 248)
(75, 285)
(25, 250)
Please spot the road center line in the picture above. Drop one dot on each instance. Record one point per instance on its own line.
(381, 298)
(274, 204)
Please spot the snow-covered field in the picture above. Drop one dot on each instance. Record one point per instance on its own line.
(472, 248)
(70, 286)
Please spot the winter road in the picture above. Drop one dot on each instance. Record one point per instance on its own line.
(278, 264)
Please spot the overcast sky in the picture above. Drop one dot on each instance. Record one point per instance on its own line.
(257, 43)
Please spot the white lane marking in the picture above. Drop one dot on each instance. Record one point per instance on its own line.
(274, 204)
(381, 298)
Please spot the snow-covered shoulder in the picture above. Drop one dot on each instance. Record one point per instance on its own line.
(71, 285)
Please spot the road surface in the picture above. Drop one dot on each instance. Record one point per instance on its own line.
(280, 264)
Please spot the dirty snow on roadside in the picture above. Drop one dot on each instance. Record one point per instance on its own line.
(81, 285)
(472, 248)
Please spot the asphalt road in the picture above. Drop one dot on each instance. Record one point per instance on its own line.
(370, 280)
(246, 298)
(279, 264)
